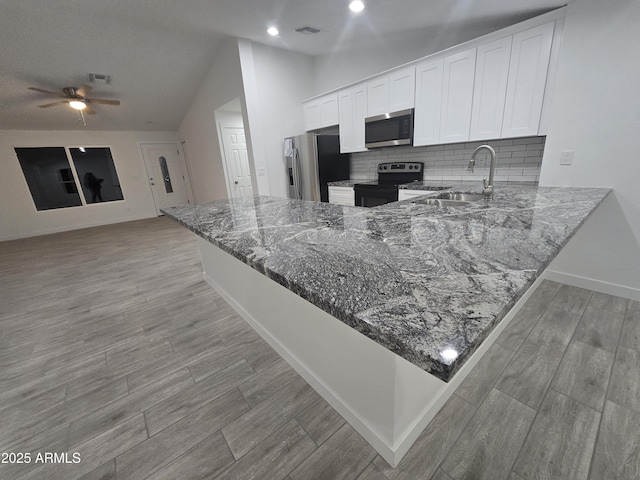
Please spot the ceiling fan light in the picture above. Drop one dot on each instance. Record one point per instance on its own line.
(77, 105)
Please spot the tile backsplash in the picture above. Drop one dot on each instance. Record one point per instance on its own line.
(518, 160)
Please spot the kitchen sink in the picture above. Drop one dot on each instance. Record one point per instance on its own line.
(451, 199)
(443, 202)
(459, 197)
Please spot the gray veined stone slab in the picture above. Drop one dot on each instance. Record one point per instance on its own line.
(415, 278)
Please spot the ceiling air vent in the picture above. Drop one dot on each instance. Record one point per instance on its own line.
(99, 78)
(307, 30)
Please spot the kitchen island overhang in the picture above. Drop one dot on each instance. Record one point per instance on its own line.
(428, 284)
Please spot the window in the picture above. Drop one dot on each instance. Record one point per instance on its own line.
(97, 173)
(60, 177)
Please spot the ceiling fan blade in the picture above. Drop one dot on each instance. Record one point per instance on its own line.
(102, 101)
(57, 94)
(53, 104)
(88, 110)
(84, 90)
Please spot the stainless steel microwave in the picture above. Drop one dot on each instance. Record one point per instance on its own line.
(389, 129)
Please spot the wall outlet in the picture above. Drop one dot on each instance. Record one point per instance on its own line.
(566, 157)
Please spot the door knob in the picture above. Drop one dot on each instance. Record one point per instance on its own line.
(236, 182)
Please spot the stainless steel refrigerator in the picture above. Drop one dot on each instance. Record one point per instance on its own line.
(312, 161)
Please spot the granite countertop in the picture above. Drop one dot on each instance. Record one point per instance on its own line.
(347, 183)
(427, 282)
(456, 184)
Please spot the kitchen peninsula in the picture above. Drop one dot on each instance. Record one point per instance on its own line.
(362, 302)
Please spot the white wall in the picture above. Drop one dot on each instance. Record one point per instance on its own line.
(596, 113)
(18, 215)
(198, 129)
(276, 81)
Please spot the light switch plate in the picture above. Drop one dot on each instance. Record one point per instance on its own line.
(566, 157)
(261, 172)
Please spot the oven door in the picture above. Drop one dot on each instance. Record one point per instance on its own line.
(374, 195)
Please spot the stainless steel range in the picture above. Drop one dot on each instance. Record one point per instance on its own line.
(385, 189)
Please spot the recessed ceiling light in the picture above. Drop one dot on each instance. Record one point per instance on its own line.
(356, 6)
(273, 31)
(78, 105)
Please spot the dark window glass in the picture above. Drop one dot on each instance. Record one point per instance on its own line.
(49, 177)
(97, 173)
(165, 175)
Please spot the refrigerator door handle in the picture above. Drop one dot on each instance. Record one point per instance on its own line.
(297, 174)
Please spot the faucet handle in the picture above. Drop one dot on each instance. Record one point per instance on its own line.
(484, 182)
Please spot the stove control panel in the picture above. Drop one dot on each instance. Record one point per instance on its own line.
(400, 167)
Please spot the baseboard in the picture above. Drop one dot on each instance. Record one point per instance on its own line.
(68, 228)
(593, 284)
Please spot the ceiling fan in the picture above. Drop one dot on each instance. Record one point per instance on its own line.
(76, 98)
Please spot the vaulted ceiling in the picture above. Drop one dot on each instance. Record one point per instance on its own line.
(158, 51)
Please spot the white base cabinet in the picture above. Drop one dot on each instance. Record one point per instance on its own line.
(404, 194)
(342, 196)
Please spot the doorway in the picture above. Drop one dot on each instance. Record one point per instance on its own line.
(166, 174)
(236, 162)
(233, 147)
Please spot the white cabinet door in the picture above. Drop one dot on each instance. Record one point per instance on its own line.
(404, 194)
(329, 110)
(378, 96)
(402, 87)
(457, 96)
(312, 115)
(490, 88)
(321, 112)
(391, 93)
(530, 54)
(352, 112)
(426, 129)
(347, 139)
(359, 114)
(342, 195)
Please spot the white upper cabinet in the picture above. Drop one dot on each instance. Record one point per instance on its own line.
(490, 88)
(392, 92)
(352, 112)
(378, 96)
(321, 112)
(426, 129)
(402, 88)
(530, 53)
(497, 86)
(457, 96)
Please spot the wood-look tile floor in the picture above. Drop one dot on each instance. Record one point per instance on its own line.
(113, 347)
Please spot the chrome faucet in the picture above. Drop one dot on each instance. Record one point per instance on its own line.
(488, 186)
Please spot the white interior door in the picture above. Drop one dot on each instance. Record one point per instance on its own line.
(236, 162)
(165, 173)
